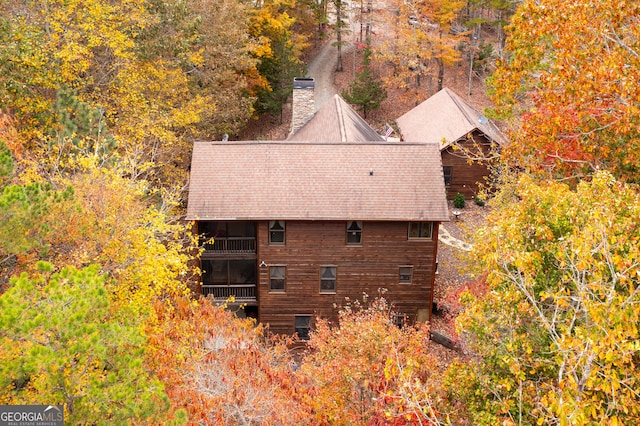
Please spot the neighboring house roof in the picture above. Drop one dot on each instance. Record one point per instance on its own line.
(335, 121)
(288, 180)
(446, 118)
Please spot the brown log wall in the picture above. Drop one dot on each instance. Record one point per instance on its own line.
(465, 176)
(364, 268)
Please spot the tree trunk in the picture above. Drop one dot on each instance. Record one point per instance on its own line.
(440, 73)
(444, 341)
(339, 35)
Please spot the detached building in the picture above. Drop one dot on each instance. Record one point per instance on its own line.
(467, 139)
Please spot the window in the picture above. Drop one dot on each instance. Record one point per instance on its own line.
(406, 273)
(303, 326)
(328, 279)
(420, 229)
(447, 170)
(276, 232)
(354, 232)
(400, 320)
(277, 276)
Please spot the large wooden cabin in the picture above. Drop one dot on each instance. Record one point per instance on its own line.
(468, 140)
(292, 229)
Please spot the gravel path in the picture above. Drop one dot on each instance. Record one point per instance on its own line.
(321, 69)
(323, 66)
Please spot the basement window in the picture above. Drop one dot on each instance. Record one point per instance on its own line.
(406, 274)
(303, 326)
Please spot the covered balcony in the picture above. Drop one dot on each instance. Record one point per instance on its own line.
(224, 278)
(227, 237)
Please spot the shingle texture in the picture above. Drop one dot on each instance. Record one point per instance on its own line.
(316, 181)
(336, 121)
(445, 118)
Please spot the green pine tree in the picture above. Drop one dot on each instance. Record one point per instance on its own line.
(366, 90)
(62, 341)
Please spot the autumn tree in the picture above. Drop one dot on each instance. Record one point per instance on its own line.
(278, 51)
(555, 334)
(122, 225)
(159, 74)
(222, 369)
(494, 14)
(424, 43)
(210, 41)
(23, 212)
(60, 342)
(311, 18)
(49, 46)
(340, 27)
(568, 85)
(97, 215)
(482, 51)
(368, 370)
(366, 90)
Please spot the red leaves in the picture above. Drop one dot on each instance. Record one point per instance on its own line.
(219, 367)
(567, 79)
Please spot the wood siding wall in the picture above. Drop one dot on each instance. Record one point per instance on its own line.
(361, 269)
(465, 176)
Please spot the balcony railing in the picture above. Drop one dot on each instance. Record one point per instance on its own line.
(240, 292)
(231, 245)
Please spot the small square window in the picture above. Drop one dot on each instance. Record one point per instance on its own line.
(399, 320)
(328, 279)
(420, 229)
(303, 326)
(276, 232)
(406, 274)
(354, 232)
(277, 276)
(447, 170)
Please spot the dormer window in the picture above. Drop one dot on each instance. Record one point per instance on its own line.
(354, 232)
(276, 231)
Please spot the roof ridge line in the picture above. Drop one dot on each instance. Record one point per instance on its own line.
(343, 130)
(462, 109)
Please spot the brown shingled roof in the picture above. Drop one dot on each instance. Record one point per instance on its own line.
(316, 181)
(445, 118)
(336, 121)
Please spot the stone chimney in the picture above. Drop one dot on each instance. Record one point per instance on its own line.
(304, 104)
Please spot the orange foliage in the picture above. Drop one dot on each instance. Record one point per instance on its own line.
(9, 135)
(569, 86)
(368, 370)
(219, 369)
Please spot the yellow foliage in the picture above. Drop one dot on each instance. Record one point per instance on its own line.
(562, 308)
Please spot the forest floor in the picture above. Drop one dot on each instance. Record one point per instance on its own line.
(321, 63)
(321, 59)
